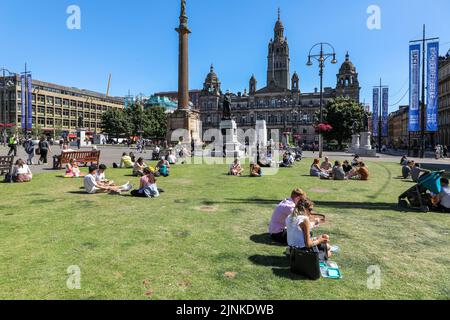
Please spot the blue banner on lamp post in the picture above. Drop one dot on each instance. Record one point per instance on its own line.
(30, 103)
(432, 85)
(22, 96)
(414, 88)
(384, 129)
(375, 106)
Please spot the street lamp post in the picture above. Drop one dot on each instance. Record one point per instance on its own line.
(5, 85)
(321, 58)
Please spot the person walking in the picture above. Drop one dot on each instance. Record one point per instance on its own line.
(13, 142)
(29, 149)
(44, 148)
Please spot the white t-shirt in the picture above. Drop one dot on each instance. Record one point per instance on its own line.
(99, 177)
(22, 170)
(445, 197)
(89, 184)
(295, 235)
(172, 159)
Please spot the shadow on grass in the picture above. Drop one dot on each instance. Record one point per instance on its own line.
(265, 239)
(357, 205)
(280, 266)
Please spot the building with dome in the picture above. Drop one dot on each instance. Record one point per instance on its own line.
(281, 102)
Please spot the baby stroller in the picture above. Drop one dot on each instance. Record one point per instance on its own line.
(417, 197)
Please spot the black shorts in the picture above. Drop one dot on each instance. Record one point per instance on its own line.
(280, 237)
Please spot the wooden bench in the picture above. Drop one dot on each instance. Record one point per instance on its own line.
(83, 157)
(6, 164)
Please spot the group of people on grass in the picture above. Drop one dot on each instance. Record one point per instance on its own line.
(292, 224)
(357, 170)
(236, 169)
(162, 167)
(411, 169)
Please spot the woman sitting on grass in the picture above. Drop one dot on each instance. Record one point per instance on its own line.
(139, 166)
(21, 172)
(316, 171)
(163, 167)
(299, 233)
(72, 170)
(236, 168)
(148, 187)
(347, 167)
(255, 170)
(126, 161)
(338, 171)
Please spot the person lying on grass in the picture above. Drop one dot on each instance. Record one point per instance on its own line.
(236, 168)
(148, 187)
(299, 233)
(361, 173)
(138, 168)
(92, 187)
(72, 170)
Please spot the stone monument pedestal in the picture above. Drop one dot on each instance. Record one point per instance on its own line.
(354, 148)
(231, 146)
(365, 149)
(184, 126)
(261, 133)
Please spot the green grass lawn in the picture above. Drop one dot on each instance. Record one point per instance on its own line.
(180, 245)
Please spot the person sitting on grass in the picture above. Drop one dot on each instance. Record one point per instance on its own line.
(347, 167)
(326, 165)
(417, 172)
(316, 171)
(299, 233)
(442, 200)
(404, 160)
(171, 158)
(163, 167)
(277, 226)
(406, 169)
(338, 172)
(236, 168)
(148, 187)
(21, 172)
(356, 161)
(361, 173)
(288, 160)
(133, 157)
(255, 170)
(138, 168)
(100, 176)
(92, 187)
(126, 161)
(72, 169)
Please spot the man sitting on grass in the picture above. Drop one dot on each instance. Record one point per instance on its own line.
(277, 227)
(406, 169)
(92, 187)
(443, 198)
(361, 173)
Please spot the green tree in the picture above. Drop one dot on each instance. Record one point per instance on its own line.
(344, 115)
(116, 122)
(157, 119)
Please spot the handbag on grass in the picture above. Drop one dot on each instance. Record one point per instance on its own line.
(306, 263)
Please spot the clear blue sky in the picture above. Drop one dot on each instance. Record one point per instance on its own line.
(135, 41)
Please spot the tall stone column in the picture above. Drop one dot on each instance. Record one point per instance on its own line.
(183, 59)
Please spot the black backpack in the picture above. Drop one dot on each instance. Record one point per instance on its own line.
(305, 262)
(8, 178)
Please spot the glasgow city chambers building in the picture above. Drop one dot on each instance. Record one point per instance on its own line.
(281, 102)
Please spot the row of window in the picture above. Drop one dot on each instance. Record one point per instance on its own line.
(62, 123)
(263, 104)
